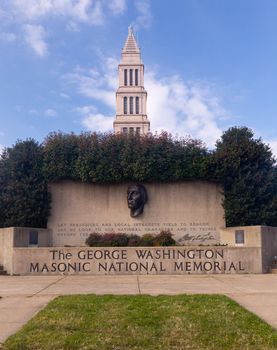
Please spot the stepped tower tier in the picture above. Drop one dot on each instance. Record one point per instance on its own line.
(131, 115)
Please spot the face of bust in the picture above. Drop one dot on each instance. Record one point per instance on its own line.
(134, 198)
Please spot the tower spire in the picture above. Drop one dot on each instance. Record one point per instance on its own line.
(131, 43)
(131, 96)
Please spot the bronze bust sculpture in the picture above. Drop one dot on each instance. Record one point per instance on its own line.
(136, 197)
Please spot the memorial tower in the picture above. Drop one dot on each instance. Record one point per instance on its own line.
(131, 96)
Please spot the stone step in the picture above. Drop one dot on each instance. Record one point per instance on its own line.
(274, 270)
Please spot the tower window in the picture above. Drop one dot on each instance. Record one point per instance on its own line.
(125, 77)
(137, 105)
(131, 77)
(136, 77)
(131, 105)
(131, 130)
(124, 130)
(125, 105)
(137, 131)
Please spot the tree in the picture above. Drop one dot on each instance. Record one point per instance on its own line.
(246, 168)
(24, 199)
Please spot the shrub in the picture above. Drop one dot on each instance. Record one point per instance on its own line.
(94, 240)
(147, 240)
(107, 240)
(115, 240)
(135, 241)
(164, 238)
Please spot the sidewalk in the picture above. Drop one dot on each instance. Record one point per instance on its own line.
(24, 296)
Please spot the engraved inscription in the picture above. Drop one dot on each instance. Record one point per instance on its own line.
(138, 260)
(185, 232)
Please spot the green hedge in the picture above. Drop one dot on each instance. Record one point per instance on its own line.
(110, 158)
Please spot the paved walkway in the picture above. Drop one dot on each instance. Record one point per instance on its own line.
(24, 296)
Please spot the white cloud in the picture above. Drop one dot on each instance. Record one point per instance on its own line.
(93, 88)
(144, 17)
(31, 15)
(96, 16)
(34, 37)
(96, 83)
(84, 110)
(184, 108)
(30, 9)
(98, 122)
(72, 26)
(65, 96)
(92, 12)
(117, 6)
(50, 113)
(89, 11)
(8, 37)
(94, 121)
(81, 9)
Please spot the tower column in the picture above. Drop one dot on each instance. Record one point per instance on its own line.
(131, 95)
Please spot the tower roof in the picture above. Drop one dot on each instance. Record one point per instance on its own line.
(131, 45)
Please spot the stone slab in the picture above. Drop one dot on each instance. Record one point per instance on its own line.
(191, 210)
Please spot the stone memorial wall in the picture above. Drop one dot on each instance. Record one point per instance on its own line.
(191, 210)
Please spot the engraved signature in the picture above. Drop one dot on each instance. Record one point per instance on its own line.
(200, 238)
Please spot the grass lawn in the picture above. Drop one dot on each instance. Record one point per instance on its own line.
(144, 323)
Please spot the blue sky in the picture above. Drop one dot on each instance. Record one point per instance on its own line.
(210, 64)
